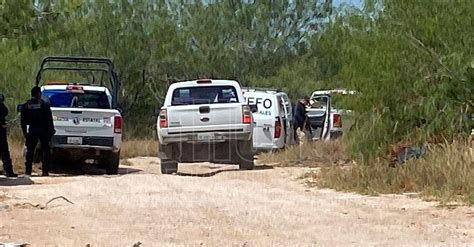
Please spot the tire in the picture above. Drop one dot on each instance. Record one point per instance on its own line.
(111, 162)
(56, 161)
(245, 155)
(169, 166)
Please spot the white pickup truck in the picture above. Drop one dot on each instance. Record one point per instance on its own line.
(87, 123)
(324, 116)
(205, 121)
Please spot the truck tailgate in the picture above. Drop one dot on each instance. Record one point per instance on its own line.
(84, 122)
(205, 117)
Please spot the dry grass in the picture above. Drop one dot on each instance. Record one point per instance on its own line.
(139, 148)
(445, 173)
(16, 153)
(313, 154)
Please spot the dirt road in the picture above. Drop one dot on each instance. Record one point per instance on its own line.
(217, 205)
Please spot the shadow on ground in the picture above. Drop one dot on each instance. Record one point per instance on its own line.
(15, 181)
(217, 170)
(77, 170)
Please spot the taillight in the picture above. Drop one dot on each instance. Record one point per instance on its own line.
(336, 120)
(118, 124)
(246, 114)
(277, 133)
(163, 119)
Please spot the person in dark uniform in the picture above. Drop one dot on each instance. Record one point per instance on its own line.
(4, 151)
(299, 117)
(37, 125)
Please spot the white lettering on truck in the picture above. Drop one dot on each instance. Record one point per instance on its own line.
(265, 102)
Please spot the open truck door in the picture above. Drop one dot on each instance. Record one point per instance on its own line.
(319, 116)
(288, 120)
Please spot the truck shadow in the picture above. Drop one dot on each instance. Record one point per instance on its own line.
(217, 170)
(90, 170)
(15, 181)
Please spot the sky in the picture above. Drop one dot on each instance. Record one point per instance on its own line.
(357, 3)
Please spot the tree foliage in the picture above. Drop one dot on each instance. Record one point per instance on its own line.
(412, 61)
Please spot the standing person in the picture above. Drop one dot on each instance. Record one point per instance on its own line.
(300, 119)
(37, 125)
(4, 151)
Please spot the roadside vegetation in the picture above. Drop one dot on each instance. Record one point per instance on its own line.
(312, 154)
(16, 153)
(411, 61)
(139, 148)
(445, 173)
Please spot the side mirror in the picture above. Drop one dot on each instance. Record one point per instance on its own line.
(19, 107)
(119, 108)
(157, 111)
(253, 108)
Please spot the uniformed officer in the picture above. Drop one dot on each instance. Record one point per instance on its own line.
(4, 151)
(37, 125)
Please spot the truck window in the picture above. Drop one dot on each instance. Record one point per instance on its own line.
(204, 95)
(85, 99)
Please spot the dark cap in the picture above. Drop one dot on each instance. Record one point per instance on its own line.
(2, 98)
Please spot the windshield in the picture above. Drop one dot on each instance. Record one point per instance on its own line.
(85, 99)
(204, 95)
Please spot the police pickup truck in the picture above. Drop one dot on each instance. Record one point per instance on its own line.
(87, 122)
(205, 121)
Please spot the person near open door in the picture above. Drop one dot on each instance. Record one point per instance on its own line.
(4, 150)
(300, 119)
(37, 125)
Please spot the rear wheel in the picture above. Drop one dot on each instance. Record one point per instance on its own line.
(56, 161)
(169, 166)
(245, 155)
(111, 162)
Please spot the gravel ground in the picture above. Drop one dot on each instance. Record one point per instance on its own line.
(216, 205)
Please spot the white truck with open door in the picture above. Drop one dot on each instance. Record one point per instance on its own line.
(330, 102)
(205, 121)
(273, 120)
(320, 117)
(87, 122)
